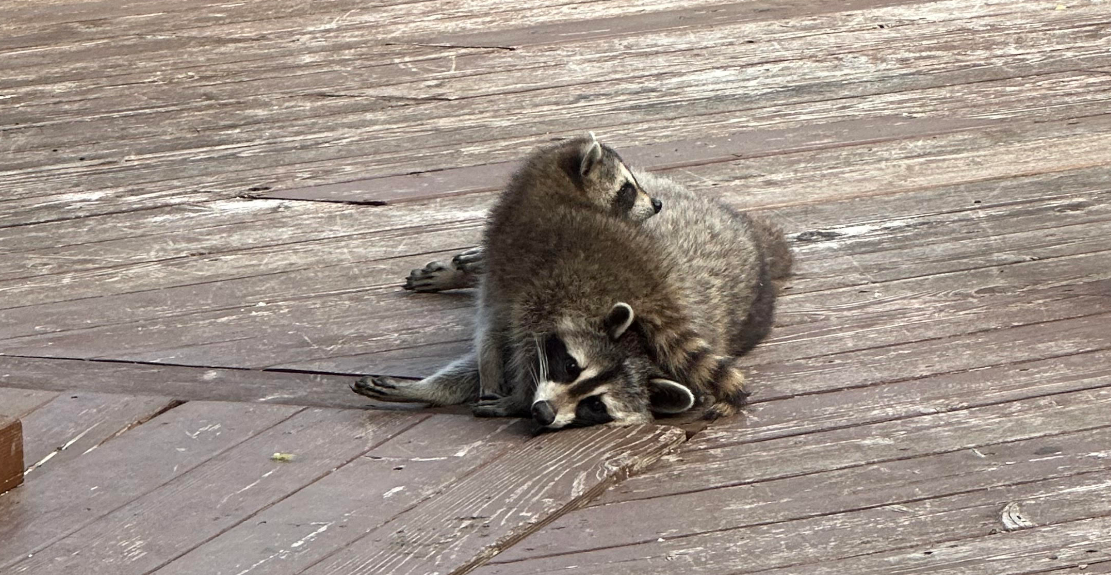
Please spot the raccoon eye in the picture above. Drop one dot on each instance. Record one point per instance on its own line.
(571, 367)
(627, 191)
(595, 404)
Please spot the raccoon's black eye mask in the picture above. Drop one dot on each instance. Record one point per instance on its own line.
(562, 367)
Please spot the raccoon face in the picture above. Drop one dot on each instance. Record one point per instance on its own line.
(609, 184)
(590, 376)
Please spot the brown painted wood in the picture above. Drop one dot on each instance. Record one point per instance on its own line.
(75, 423)
(813, 544)
(11, 453)
(491, 177)
(1069, 545)
(888, 484)
(165, 523)
(186, 383)
(82, 490)
(16, 403)
(1068, 85)
(357, 498)
(504, 501)
(737, 464)
(593, 62)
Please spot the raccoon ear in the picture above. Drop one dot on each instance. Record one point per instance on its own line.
(591, 157)
(667, 397)
(618, 320)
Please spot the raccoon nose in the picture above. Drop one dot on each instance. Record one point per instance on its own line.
(657, 205)
(542, 413)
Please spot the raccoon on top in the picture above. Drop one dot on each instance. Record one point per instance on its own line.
(583, 173)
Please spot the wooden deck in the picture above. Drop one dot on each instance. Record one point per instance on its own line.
(207, 209)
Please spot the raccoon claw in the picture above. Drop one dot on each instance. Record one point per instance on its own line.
(495, 406)
(718, 411)
(378, 387)
(438, 276)
(472, 261)
(426, 278)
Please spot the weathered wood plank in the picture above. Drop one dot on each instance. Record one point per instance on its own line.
(503, 501)
(212, 241)
(789, 416)
(651, 156)
(810, 545)
(11, 453)
(1065, 88)
(300, 52)
(737, 464)
(187, 383)
(821, 316)
(889, 484)
(357, 498)
(16, 403)
(75, 423)
(1074, 546)
(82, 490)
(169, 521)
(507, 72)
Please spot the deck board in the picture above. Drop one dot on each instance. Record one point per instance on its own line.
(218, 494)
(59, 503)
(75, 423)
(206, 210)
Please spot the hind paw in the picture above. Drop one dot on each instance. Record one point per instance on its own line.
(472, 261)
(382, 388)
(437, 276)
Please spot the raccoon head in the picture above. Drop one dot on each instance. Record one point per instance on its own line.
(591, 374)
(607, 182)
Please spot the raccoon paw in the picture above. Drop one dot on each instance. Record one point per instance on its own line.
(472, 261)
(437, 276)
(497, 406)
(718, 411)
(381, 388)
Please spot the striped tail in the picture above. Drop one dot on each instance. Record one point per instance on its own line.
(690, 359)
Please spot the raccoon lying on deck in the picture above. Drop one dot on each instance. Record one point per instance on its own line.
(591, 315)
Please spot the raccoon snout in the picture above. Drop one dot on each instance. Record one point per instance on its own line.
(657, 205)
(543, 413)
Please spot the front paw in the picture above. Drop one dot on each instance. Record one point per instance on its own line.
(381, 387)
(496, 406)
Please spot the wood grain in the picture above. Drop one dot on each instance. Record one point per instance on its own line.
(926, 527)
(775, 501)
(736, 464)
(16, 403)
(357, 498)
(84, 489)
(11, 453)
(503, 501)
(163, 524)
(187, 383)
(75, 423)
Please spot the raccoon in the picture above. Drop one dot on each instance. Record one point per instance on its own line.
(576, 175)
(595, 317)
(581, 173)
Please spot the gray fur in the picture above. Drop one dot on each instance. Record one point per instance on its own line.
(698, 277)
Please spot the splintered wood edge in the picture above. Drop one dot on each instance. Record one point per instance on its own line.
(668, 438)
(11, 453)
